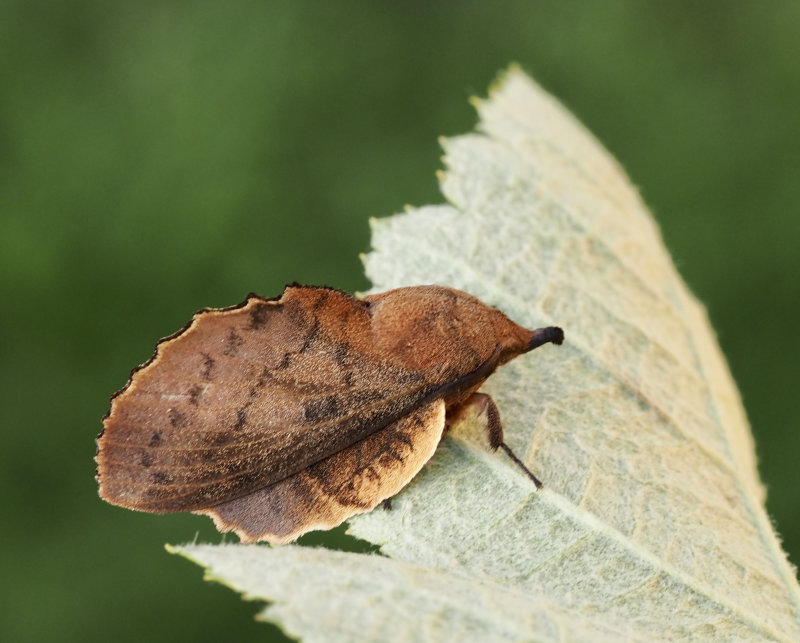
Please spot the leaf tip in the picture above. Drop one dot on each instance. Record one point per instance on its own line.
(502, 78)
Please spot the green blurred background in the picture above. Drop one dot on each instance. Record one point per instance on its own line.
(158, 157)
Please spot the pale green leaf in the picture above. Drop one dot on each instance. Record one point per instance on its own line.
(651, 524)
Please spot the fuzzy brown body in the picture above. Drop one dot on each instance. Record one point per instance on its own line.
(283, 415)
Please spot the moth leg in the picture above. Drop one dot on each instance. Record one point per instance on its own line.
(387, 504)
(482, 406)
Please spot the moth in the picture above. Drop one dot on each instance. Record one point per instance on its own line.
(283, 415)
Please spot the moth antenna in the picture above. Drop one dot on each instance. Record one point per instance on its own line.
(551, 334)
(519, 462)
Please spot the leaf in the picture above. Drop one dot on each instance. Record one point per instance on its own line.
(651, 524)
(359, 597)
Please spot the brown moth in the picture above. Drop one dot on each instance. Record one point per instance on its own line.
(279, 416)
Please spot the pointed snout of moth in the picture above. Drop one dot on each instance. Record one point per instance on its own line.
(549, 335)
